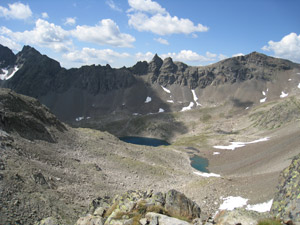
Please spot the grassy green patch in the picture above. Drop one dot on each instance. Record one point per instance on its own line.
(200, 139)
(269, 222)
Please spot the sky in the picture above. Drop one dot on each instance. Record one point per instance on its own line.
(122, 32)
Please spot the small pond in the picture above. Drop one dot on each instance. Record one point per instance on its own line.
(144, 141)
(199, 163)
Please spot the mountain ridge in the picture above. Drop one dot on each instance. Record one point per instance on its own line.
(96, 89)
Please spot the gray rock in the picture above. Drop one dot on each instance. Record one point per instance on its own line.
(90, 220)
(159, 219)
(48, 221)
(177, 204)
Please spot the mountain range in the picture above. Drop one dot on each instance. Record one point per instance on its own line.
(145, 88)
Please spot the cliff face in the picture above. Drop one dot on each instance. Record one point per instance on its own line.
(286, 203)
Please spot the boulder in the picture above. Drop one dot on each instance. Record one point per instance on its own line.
(90, 220)
(159, 219)
(178, 205)
(286, 204)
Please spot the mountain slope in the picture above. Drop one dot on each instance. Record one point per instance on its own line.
(90, 91)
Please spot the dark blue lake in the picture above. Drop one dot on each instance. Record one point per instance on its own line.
(144, 141)
(199, 163)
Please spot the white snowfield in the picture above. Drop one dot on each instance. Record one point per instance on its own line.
(170, 101)
(216, 153)
(264, 93)
(299, 85)
(195, 98)
(79, 118)
(207, 174)
(165, 89)
(263, 100)
(283, 95)
(161, 110)
(189, 107)
(148, 99)
(234, 145)
(6, 74)
(231, 202)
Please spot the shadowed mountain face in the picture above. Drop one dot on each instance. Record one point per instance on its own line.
(145, 88)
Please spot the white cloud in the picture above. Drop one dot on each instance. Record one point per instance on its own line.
(190, 56)
(71, 21)
(148, 56)
(106, 32)
(288, 47)
(44, 34)
(45, 15)
(162, 41)
(238, 54)
(94, 56)
(9, 43)
(159, 21)
(113, 5)
(16, 11)
(221, 56)
(146, 6)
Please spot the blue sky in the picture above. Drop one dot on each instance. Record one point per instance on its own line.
(121, 32)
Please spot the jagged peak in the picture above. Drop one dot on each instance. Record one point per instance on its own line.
(156, 59)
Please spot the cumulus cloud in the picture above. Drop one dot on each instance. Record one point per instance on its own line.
(221, 56)
(113, 5)
(71, 21)
(238, 54)
(45, 15)
(148, 56)
(9, 43)
(94, 56)
(147, 15)
(16, 11)
(162, 41)
(190, 56)
(106, 32)
(288, 47)
(44, 34)
(145, 6)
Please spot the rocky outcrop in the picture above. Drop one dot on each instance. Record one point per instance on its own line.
(286, 204)
(139, 207)
(7, 57)
(27, 117)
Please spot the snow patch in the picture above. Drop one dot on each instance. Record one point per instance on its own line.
(207, 174)
(195, 98)
(235, 145)
(289, 79)
(263, 100)
(216, 153)
(148, 99)
(299, 85)
(298, 73)
(262, 207)
(283, 95)
(247, 108)
(6, 74)
(135, 114)
(165, 89)
(161, 110)
(170, 101)
(231, 202)
(79, 118)
(264, 93)
(189, 107)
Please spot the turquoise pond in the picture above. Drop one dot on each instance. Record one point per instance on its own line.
(197, 162)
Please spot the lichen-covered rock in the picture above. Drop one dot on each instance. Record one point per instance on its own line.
(238, 216)
(177, 204)
(286, 204)
(90, 220)
(159, 219)
(48, 221)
